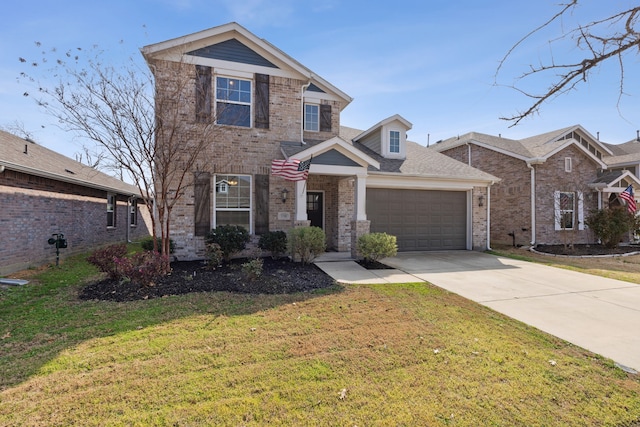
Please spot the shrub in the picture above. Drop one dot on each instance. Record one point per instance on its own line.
(143, 268)
(610, 225)
(274, 242)
(104, 259)
(231, 238)
(253, 268)
(306, 243)
(375, 246)
(147, 244)
(214, 255)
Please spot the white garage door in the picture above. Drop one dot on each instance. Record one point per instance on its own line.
(421, 220)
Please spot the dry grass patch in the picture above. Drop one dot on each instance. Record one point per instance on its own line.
(625, 268)
(367, 355)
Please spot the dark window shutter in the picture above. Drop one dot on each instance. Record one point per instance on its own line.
(262, 204)
(202, 203)
(203, 94)
(325, 118)
(262, 101)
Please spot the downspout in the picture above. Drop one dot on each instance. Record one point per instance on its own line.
(304, 87)
(489, 216)
(533, 203)
(469, 154)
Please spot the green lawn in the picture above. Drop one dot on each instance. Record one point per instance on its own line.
(354, 356)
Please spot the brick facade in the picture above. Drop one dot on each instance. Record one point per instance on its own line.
(249, 151)
(511, 198)
(34, 208)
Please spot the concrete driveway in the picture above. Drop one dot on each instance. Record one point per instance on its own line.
(599, 314)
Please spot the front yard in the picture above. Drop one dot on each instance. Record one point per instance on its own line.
(355, 355)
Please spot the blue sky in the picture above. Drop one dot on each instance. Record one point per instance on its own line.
(431, 61)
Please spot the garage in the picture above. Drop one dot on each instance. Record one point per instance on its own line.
(421, 220)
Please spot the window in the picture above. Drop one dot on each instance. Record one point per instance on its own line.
(111, 210)
(133, 212)
(569, 210)
(233, 101)
(394, 141)
(311, 117)
(567, 164)
(233, 207)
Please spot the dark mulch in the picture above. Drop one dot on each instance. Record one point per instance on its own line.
(582, 250)
(373, 265)
(278, 277)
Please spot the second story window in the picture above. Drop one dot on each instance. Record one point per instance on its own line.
(394, 141)
(233, 102)
(311, 117)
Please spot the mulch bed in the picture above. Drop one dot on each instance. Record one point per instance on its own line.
(279, 276)
(585, 250)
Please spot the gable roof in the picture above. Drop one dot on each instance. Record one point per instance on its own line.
(28, 157)
(388, 120)
(532, 149)
(214, 44)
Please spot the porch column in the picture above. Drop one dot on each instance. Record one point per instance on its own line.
(360, 225)
(301, 203)
(360, 212)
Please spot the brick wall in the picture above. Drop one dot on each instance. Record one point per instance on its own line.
(584, 171)
(237, 150)
(34, 208)
(510, 199)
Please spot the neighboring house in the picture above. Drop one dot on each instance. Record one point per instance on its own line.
(550, 182)
(44, 193)
(274, 108)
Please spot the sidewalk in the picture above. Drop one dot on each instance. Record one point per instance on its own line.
(345, 270)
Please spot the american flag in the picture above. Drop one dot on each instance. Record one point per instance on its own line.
(291, 170)
(627, 196)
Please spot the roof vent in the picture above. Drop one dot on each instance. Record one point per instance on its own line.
(26, 149)
(70, 171)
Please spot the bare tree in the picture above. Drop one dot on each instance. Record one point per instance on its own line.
(598, 41)
(137, 128)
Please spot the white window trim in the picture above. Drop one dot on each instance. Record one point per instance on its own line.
(577, 216)
(567, 164)
(215, 98)
(304, 119)
(250, 209)
(386, 142)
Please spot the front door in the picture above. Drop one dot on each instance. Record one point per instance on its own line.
(315, 208)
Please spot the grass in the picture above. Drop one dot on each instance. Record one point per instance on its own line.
(359, 355)
(626, 268)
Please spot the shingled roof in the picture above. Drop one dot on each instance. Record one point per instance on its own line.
(25, 156)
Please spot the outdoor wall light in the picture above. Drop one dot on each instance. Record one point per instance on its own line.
(481, 200)
(285, 193)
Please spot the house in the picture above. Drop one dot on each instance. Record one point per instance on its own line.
(549, 182)
(43, 193)
(263, 105)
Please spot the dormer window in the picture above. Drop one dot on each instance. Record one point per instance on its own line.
(394, 142)
(311, 117)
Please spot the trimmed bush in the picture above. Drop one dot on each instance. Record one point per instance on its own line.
(143, 268)
(104, 259)
(274, 242)
(375, 246)
(214, 255)
(610, 225)
(306, 243)
(231, 238)
(253, 268)
(147, 244)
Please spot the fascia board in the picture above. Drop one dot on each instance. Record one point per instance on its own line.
(602, 164)
(341, 146)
